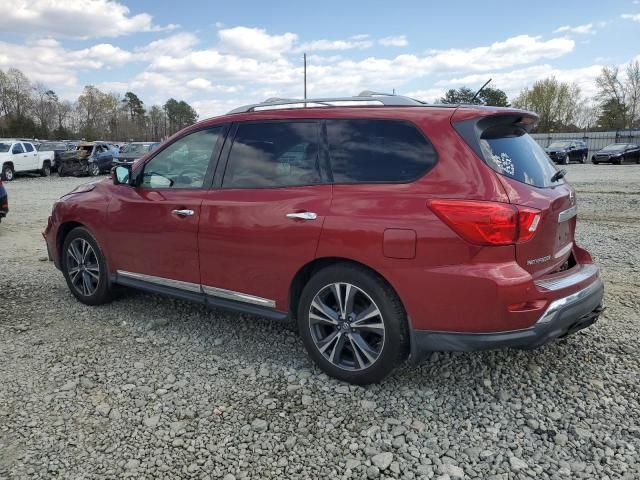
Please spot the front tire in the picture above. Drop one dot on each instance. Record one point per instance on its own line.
(8, 174)
(565, 161)
(94, 169)
(583, 158)
(45, 171)
(85, 268)
(353, 324)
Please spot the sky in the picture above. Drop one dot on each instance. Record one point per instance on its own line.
(218, 55)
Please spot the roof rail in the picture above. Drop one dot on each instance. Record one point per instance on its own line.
(365, 98)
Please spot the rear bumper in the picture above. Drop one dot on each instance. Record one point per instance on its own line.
(563, 316)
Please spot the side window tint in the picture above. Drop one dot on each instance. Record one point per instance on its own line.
(184, 163)
(273, 154)
(28, 147)
(371, 151)
(17, 148)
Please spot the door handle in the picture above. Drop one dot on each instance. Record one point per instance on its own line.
(303, 215)
(183, 213)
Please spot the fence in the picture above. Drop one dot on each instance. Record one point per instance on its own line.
(595, 140)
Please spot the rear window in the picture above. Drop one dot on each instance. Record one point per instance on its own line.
(375, 151)
(274, 154)
(516, 155)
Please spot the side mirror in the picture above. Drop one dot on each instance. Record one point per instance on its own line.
(121, 174)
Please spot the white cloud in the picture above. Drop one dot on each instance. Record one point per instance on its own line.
(48, 62)
(429, 95)
(174, 45)
(631, 16)
(74, 18)
(582, 29)
(396, 41)
(255, 42)
(359, 42)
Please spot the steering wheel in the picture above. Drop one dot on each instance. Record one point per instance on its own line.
(192, 174)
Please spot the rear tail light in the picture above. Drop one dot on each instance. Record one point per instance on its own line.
(488, 223)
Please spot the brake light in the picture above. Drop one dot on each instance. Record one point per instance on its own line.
(488, 223)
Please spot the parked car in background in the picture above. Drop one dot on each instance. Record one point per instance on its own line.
(89, 158)
(568, 151)
(617, 153)
(364, 224)
(58, 148)
(4, 201)
(133, 151)
(21, 157)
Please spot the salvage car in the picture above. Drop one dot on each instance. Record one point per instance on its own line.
(617, 153)
(385, 227)
(58, 148)
(4, 202)
(133, 151)
(17, 156)
(89, 158)
(568, 151)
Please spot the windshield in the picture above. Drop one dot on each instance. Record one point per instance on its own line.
(48, 147)
(616, 146)
(518, 156)
(137, 148)
(4, 147)
(560, 145)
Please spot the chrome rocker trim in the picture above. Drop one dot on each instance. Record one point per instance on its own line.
(198, 288)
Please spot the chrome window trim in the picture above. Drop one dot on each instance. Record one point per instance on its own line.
(567, 214)
(238, 296)
(557, 305)
(196, 288)
(586, 271)
(165, 282)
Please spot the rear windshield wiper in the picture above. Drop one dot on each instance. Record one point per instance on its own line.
(558, 175)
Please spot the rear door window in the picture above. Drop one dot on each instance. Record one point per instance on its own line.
(377, 151)
(516, 155)
(274, 154)
(28, 147)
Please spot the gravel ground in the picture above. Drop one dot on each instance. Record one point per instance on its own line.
(151, 387)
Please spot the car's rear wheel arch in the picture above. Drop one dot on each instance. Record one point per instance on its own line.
(307, 271)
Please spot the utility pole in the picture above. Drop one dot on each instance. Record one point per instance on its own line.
(305, 75)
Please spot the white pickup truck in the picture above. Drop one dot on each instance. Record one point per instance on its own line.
(17, 156)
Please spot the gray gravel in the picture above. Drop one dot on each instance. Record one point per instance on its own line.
(151, 387)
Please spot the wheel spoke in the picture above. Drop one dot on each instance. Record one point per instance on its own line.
(337, 293)
(86, 283)
(328, 314)
(356, 354)
(75, 254)
(328, 340)
(338, 346)
(363, 346)
(377, 327)
(350, 295)
(370, 312)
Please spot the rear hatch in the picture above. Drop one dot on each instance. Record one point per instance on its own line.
(501, 140)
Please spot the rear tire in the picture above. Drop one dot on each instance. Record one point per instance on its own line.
(364, 341)
(84, 268)
(8, 173)
(45, 171)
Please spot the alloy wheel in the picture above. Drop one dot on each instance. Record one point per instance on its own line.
(346, 326)
(95, 170)
(83, 267)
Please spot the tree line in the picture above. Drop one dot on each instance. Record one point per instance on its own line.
(562, 107)
(32, 110)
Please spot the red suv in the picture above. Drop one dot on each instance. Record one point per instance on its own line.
(386, 227)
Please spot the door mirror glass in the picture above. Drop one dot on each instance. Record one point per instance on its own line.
(121, 175)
